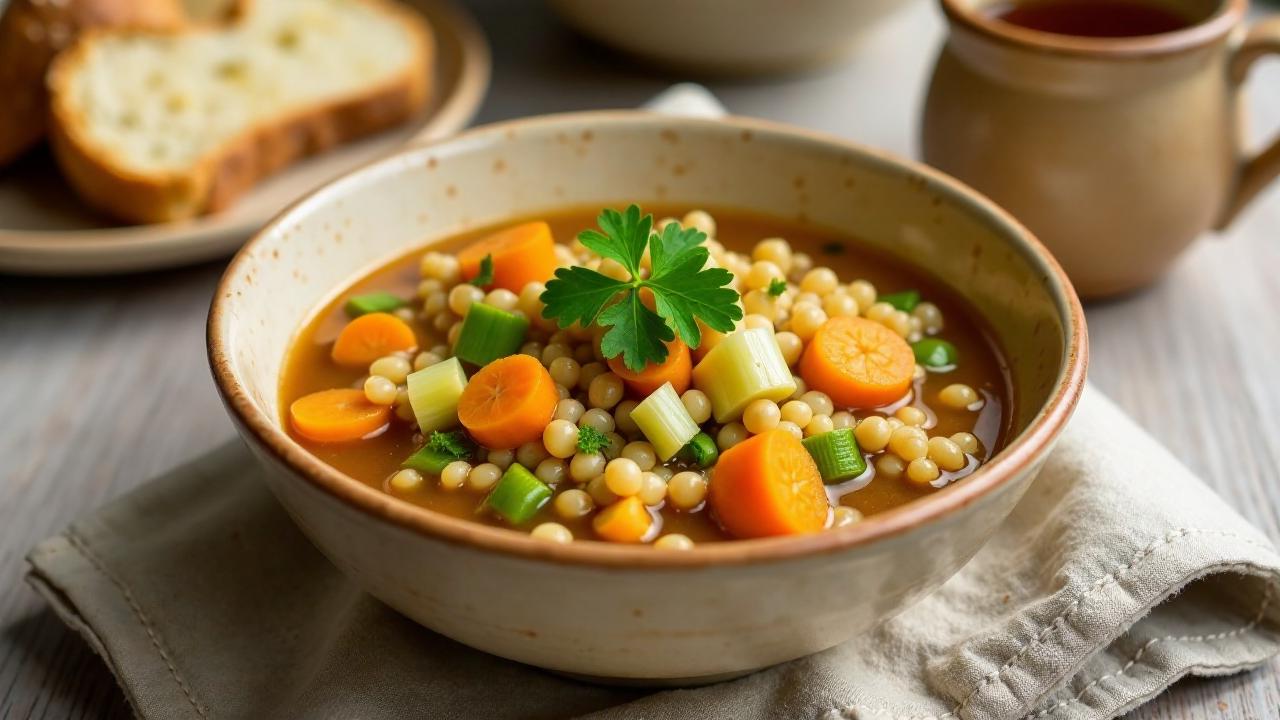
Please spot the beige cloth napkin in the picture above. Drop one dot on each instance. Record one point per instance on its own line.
(1117, 574)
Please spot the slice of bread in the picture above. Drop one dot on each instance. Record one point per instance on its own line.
(33, 31)
(153, 127)
(214, 11)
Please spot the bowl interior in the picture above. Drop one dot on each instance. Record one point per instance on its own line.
(483, 177)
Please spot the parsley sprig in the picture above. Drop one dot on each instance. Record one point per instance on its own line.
(454, 444)
(485, 276)
(591, 440)
(684, 289)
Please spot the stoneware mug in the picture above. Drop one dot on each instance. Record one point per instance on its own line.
(1116, 152)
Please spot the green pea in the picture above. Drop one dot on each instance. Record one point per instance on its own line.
(906, 301)
(935, 354)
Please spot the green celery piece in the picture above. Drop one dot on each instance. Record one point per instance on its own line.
(428, 460)
(518, 495)
(935, 353)
(378, 301)
(663, 419)
(745, 366)
(906, 301)
(489, 334)
(434, 392)
(837, 455)
(701, 450)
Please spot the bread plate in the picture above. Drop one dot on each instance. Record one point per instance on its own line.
(46, 229)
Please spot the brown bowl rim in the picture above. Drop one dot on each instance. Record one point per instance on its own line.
(1012, 460)
(1213, 28)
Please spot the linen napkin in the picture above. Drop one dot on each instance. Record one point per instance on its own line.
(1118, 573)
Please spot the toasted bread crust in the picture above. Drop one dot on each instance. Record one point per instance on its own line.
(220, 177)
(33, 32)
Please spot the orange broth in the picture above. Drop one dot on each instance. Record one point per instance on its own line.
(373, 460)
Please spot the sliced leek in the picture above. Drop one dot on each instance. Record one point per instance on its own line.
(745, 366)
(434, 393)
(664, 420)
(518, 495)
(488, 334)
(374, 302)
(428, 460)
(837, 455)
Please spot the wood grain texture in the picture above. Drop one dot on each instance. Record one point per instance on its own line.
(103, 383)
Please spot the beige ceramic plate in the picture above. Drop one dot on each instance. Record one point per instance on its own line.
(45, 230)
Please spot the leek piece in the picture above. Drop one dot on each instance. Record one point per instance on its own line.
(664, 421)
(489, 334)
(906, 301)
(518, 495)
(701, 450)
(374, 302)
(745, 366)
(935, 354)
(428, 460)
(837, 455)
(434, 393)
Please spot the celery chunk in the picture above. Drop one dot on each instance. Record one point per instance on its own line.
(434, 393)
(489, 334)
(837, 455)
(518, 495)
(664, 421)
(745, 366)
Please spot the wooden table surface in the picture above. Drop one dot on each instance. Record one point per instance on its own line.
(103, 382)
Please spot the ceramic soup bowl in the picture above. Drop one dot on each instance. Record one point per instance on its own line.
(627, 613)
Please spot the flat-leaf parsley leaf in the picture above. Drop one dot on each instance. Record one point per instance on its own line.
(777, 286)
(684, 289)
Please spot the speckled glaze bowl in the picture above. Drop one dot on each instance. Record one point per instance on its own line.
(624, 613)
(742, 37)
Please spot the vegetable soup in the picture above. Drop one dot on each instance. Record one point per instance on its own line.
(613, 377)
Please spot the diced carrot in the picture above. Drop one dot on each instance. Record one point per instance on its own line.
(522, 254)
(337, 415)
(370, 337)
(626, 521)
(508, 402)
(768, 485)
(677, 369)
(858, 362)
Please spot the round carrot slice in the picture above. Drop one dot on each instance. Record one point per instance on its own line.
(768, 485)
(370, 337)
(522, 254)
(858, 362)
(337, 415)
(677, 369)
(508, 402)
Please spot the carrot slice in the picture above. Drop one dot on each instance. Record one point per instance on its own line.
(768, 485)
(370, 337)
(626, 521)
(522, 254)
(677, 369)
(858, 362)
(337, 415)
(508, 402)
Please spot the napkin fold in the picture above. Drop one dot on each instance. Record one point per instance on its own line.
(1118, 573)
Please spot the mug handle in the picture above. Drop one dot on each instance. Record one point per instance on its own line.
(1255, 172)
